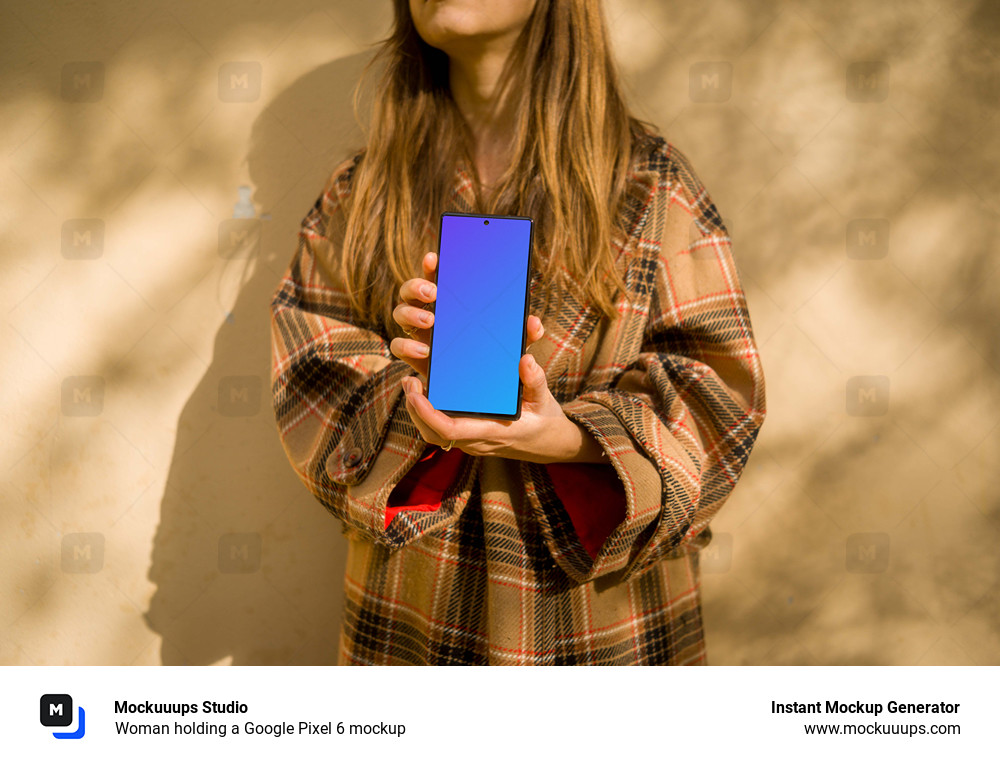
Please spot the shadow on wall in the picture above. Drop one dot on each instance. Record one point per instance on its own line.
(876, 477)
(247, 564)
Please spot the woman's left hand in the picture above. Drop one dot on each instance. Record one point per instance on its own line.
(543, 433)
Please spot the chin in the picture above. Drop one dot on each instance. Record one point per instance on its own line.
(440, 22)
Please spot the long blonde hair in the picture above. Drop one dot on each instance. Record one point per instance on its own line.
(573, 143)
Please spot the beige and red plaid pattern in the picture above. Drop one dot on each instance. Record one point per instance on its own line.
(672, 389)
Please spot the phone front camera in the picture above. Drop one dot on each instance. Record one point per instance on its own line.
(486, 223)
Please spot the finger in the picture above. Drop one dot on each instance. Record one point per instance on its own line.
(440, 424)
(427, 433)
(536, 387)
(422, 429)
(412, 318)
(413, 383)
(411, 351)
(535, 329)
(430, 264)
(418, 291)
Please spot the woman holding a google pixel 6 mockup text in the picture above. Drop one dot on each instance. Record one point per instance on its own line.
(570, 534)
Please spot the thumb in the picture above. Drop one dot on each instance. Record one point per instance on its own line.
(536, 387)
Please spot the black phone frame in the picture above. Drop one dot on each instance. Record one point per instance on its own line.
(524, 321)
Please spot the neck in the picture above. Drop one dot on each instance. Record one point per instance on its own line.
(476, 87)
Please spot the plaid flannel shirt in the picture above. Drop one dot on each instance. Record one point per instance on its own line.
(672, 388)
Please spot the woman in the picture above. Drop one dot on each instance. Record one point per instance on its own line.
(572, 534)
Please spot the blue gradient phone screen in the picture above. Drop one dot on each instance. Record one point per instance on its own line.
(479, 314)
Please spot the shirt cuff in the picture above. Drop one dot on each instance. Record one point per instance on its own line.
(424, 485)
(591, 493)
(594, 498)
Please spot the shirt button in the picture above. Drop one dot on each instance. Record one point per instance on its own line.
(352, 458)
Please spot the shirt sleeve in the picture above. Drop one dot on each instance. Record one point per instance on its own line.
(338, 403)
(593, 497)
(680, 419)
(424, 488)
(591, 493)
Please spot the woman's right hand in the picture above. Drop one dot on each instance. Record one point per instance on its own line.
(410, 314)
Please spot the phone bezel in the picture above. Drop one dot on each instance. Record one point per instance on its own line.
(524, 321)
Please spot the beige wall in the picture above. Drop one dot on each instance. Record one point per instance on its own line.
(863, 208)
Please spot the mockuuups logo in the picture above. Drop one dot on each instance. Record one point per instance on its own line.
(57, 710)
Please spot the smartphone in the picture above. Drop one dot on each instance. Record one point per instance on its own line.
(480, 316)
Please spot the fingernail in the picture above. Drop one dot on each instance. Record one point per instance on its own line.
(427, 291)
(422, 349)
